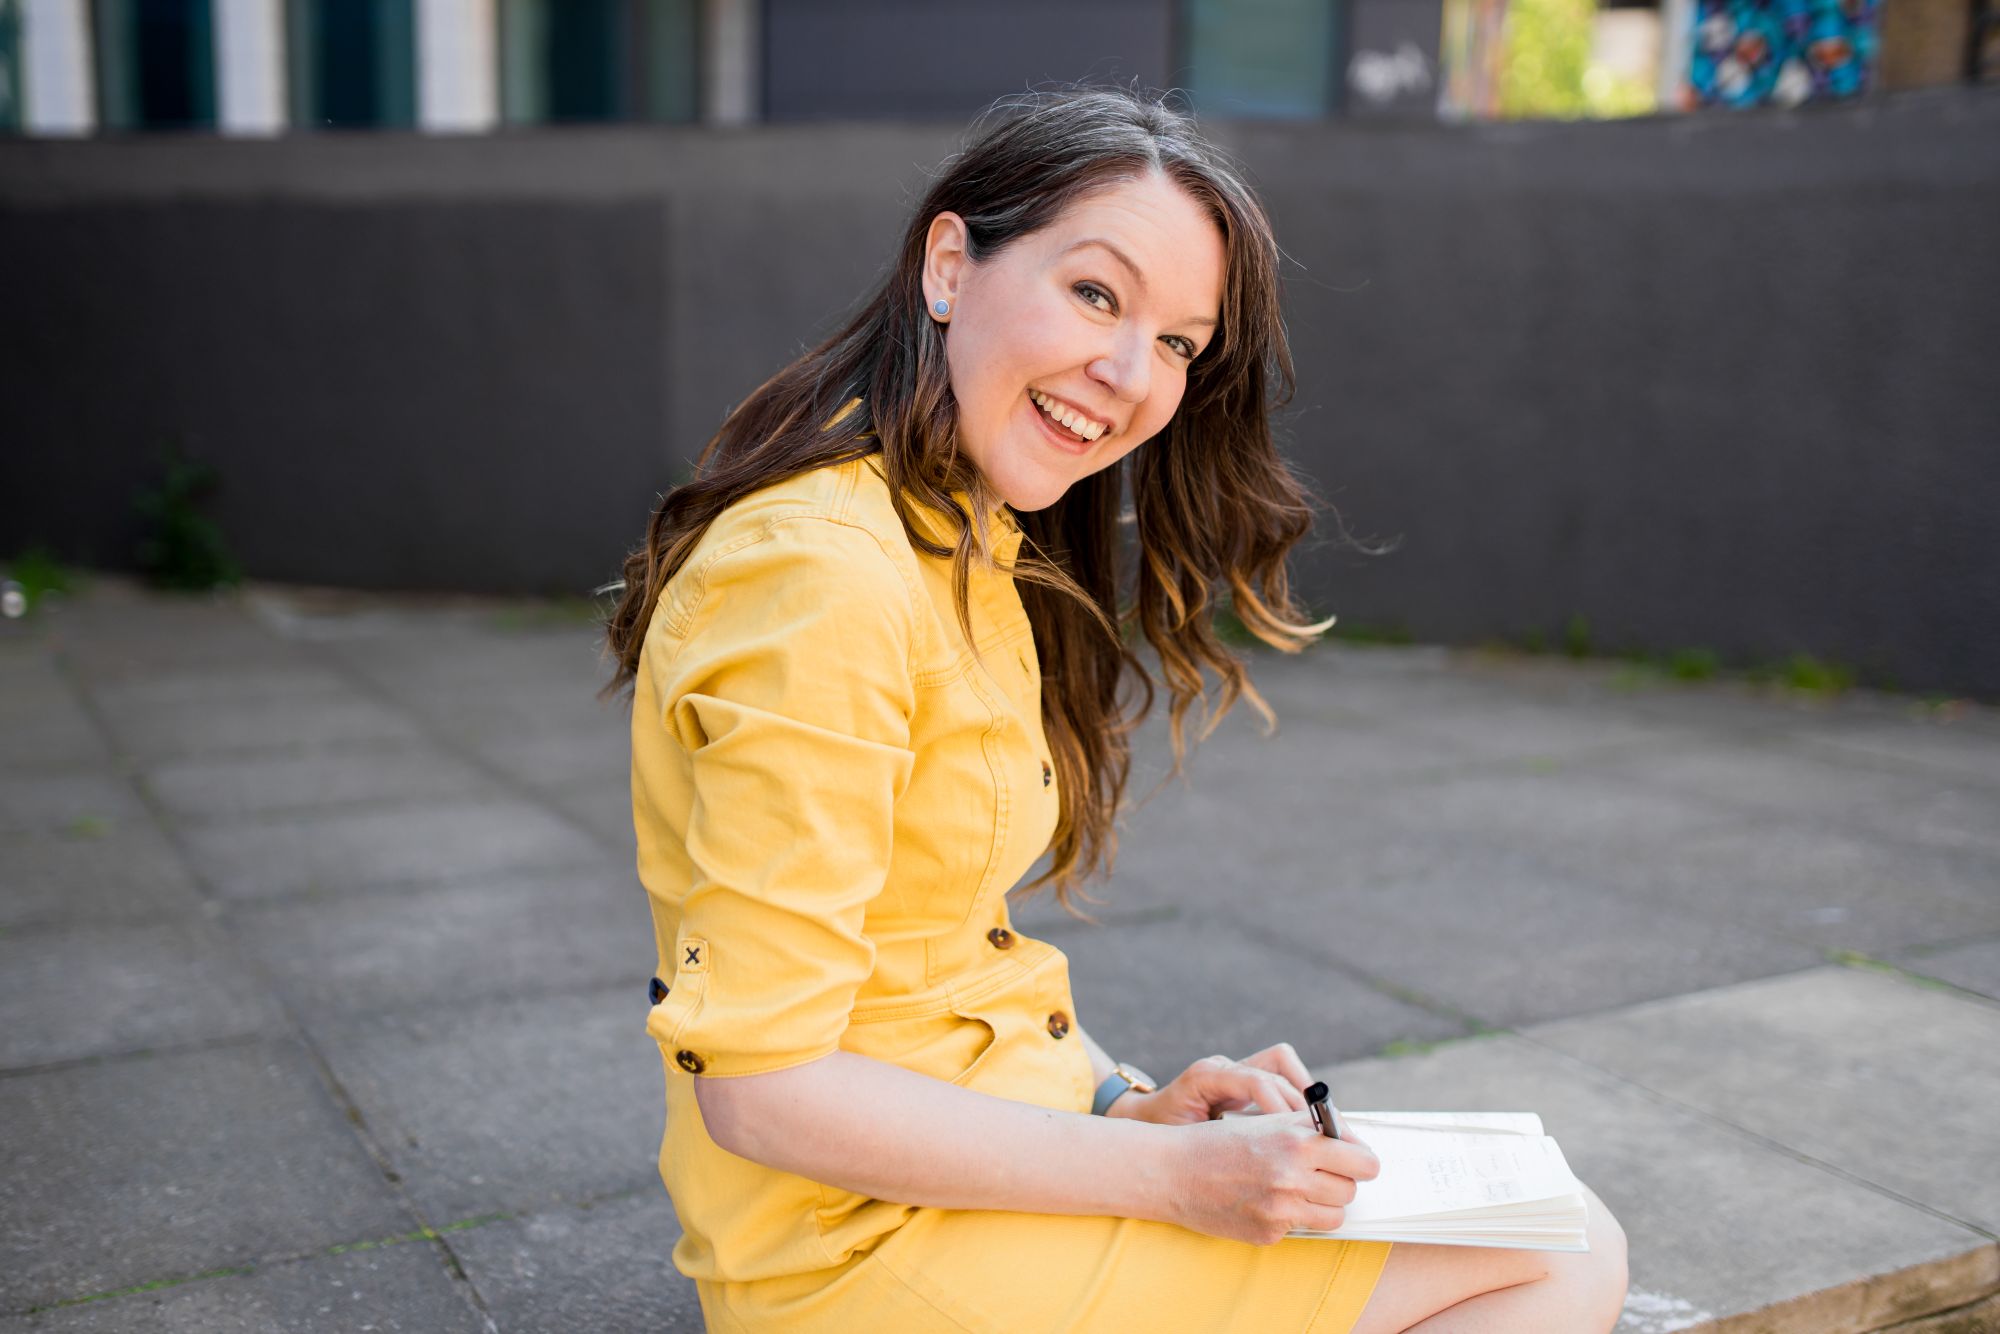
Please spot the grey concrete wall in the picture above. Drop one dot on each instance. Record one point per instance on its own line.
(1718, 381)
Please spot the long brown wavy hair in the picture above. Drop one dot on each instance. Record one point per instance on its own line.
(1215, 509)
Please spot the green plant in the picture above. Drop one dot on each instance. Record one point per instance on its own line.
(1802, 671)
(1576, 636)
(39, 575)
(1546, 50)
(1693, 664)
(183, 547)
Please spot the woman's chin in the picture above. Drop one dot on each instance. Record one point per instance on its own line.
(1027, 487)
(1029, 497)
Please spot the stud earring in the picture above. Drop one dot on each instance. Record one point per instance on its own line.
(942, 307)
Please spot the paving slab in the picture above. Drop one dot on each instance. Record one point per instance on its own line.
(247, 859)
(1190, 847)
(556, 760)
(1780, 776)
(385, 1289)
(606, 807)
(1502, 726)
(1229, 993)
(607, 1269)
(220, 788)
(295, 678)
(1974, 965)
(1827, 888)
(1305, 748)
(1840, 1064)
(128, 870)
(123, 632)
(42, 723)
(501, 1105)
(423, 656)
(146, 726)
(79, 802)
(447, 945)
(1726, 1232)
(496, 713)
(1508, 941)
(164, 1166)
(1968, 747)
(1959, 816)
(87, 990)
(1307, 804)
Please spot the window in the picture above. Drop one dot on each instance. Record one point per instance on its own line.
(599, 60)
(10, 66)
(155, 64)
(1260, 58)
(351, 63)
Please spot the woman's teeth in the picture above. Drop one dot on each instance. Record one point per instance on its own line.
(1072, 421)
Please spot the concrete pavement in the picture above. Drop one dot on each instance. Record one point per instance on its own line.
(321, 964)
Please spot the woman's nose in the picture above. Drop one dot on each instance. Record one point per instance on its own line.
(1124, 370)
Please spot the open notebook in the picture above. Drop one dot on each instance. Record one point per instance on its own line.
(1463, 1179)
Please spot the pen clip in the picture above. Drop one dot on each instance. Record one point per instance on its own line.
(1322, 1114)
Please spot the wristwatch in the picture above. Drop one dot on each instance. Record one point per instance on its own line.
(1121, 1078)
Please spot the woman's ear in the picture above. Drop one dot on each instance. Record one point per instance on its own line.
(945, 262)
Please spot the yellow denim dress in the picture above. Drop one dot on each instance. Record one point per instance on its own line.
(833, 796)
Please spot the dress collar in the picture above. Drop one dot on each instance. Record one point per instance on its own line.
(939, 527)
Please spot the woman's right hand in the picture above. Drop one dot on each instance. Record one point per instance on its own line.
(1254, 1178)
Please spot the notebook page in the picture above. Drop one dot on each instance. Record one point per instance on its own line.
(1512, 1123)
(1428, 1172)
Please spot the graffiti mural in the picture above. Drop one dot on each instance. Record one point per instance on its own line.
(1782, 52)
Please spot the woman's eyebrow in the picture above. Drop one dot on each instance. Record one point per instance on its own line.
(1138, 278)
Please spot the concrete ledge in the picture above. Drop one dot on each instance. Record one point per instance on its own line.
(1776, 1163)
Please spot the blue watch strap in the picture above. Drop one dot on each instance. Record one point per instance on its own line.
(1107, 1093)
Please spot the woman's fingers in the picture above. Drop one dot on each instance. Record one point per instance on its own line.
(1322, 1218)
(1347, 1159)
(1283, 1060)
(1232, 1085)
(1331, 1190)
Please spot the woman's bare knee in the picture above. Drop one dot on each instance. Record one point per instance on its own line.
(1607, 1257)
(1420, 1281)
(1584, 1291)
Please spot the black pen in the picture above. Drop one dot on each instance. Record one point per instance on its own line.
(1322, 1113)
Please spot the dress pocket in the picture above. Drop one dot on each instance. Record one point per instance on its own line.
(937, 1040)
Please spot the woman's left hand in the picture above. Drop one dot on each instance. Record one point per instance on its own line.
(1273, 1079)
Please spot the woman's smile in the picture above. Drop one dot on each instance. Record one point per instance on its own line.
(1056, 434)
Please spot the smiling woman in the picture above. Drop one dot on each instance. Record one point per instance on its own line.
(1080, 336)
(876, 650)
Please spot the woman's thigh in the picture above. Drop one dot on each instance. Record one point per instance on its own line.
(1420, 1281)
(1002, 1272)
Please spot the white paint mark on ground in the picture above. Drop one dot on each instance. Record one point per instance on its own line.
(1657, 1313)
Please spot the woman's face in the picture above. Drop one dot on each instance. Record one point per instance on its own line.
(1059, 319)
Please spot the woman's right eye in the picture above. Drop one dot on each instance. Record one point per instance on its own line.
(1095, 290)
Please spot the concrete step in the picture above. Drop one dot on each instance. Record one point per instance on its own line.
(1809, 1154)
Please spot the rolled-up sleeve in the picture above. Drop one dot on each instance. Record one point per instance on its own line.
(789, 686)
